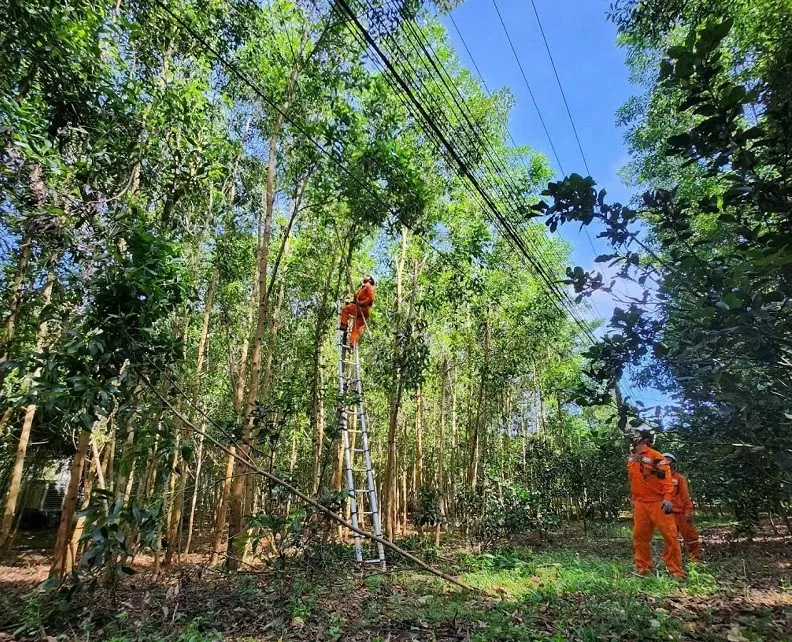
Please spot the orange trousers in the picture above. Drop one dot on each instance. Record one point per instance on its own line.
(359, 313)
(646, 517)
(689, 535)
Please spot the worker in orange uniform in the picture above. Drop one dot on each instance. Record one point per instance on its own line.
(358, 309)
(683, 510)
(652, 492)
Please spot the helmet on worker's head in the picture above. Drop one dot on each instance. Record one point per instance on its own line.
(670, 457)
(641, 431)
(369, 278)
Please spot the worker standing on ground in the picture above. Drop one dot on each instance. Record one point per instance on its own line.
(358, 310)
(652, 491)
(683, 510)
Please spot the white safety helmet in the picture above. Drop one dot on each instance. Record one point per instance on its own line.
(642, 431)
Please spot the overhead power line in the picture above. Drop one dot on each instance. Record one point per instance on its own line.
(528, 85)
(461, 165)
(590, 306)
(560, 86)
(595, 312)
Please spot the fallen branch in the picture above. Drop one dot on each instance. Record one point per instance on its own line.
(294, 491)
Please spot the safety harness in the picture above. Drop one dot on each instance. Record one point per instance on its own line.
(649, 466)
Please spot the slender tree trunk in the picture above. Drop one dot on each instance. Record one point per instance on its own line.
(454, 449)
(94, 473)
(222, 509)
(149, 477)
(100, 478)
(273, 326)
(292, 464)
(221, 520)
(62, 562)
(240, 470)
(121, 481)
(239, 390)
(389, 499)
(202, 343)
(317, 384)
(172, 498)
(418, 444)
(441, 480)
(404, 502)
(481, 420)
(176, 507)
(24, 435)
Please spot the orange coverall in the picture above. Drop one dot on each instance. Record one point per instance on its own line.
(683, 514)
(647, 492)
(359, 310)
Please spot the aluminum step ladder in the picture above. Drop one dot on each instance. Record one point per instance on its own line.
(362, 501)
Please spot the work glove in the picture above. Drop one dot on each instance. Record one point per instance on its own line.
(667, 507)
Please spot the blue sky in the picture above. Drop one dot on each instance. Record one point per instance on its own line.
(596, 83)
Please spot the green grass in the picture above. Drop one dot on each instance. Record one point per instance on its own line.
(544, 594)
(555, 595)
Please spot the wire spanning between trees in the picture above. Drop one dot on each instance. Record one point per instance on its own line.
(595, 312)
(560, 87)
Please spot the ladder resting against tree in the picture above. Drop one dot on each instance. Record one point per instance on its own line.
(363, 502)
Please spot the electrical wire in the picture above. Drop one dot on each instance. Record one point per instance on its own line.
(528, 85)
(598, 315)
(560, 86)
(448, 83)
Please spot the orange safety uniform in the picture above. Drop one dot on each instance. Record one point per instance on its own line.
(650, 484)
(683, 515)
(359, 310)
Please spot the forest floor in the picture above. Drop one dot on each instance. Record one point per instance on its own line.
(570, 587)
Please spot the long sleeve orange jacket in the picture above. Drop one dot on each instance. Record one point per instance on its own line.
(650, 476)
(365, 296)
(681, 499)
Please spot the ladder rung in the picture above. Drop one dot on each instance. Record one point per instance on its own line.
(359, 450)
(374, 561)
(361, 490)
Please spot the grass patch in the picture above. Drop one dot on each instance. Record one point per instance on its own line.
(522, 573)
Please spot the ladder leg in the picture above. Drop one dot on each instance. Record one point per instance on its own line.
(353, 508)
(372, 489)
(348, 462)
